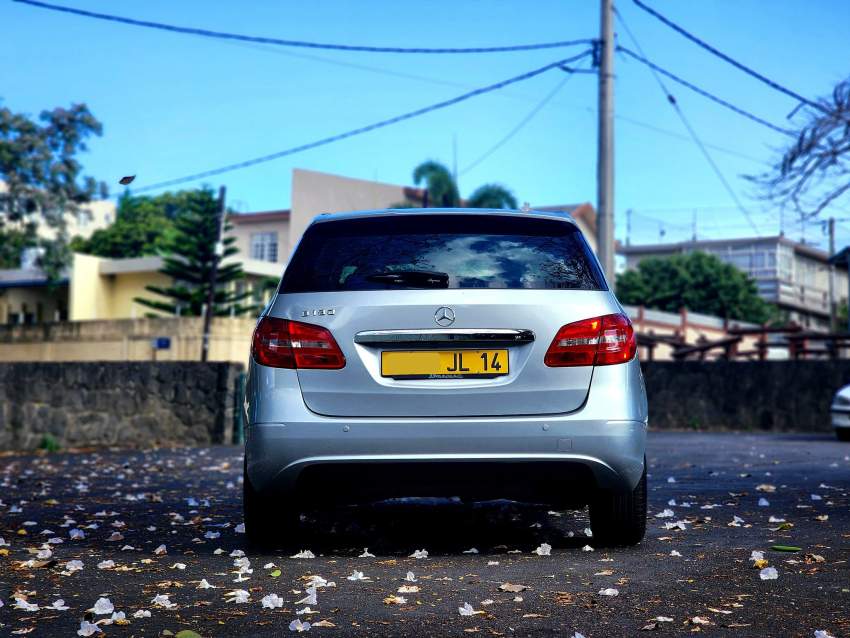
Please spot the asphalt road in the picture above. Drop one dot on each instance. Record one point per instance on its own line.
(701, 577)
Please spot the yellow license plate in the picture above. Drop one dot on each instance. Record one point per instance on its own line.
(443, 364)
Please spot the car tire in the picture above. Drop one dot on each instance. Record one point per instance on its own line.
(843, 434)
(268, 523)
(619, 518)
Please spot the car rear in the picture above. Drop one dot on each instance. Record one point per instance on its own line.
(445, 352)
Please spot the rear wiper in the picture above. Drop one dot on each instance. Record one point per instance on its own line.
(412, 278)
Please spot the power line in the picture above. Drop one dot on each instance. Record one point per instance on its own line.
(704, 93)
(519, 126)
(298, 43)
(738, 65)
(359, 131)
(692, 132)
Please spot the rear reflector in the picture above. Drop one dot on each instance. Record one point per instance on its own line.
(280, 343)
(600, 341)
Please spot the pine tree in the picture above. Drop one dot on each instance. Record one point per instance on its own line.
(188, 259)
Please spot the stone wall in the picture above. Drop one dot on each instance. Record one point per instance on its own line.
(779, 396)
(131, 404)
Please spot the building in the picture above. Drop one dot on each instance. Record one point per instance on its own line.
(271, 235)
(95, 288)
(90, 217)
(792, 275)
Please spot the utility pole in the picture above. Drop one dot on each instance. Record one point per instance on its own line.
(833, 326)
(605, 148)
(209, 307)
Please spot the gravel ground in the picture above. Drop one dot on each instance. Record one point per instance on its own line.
(151, 526)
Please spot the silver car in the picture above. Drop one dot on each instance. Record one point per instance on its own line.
(445, 352)
(840, 412)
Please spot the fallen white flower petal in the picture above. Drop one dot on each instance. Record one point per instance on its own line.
(59, 605)
(609, 591)
(161, 600)
(545, 549)
(103, 606)
(587, 548)
(763, 502)
(239, 529)
(106, 564)
(178, 566)
(272, 601)
(410, 578)
(471, 550)
(355, 575)
(304, 553)
(22, 604)
(297, 625)
(419, 553)
(88, 629)
(205, 585)
(666, 514)
(310, 598)
(142, 613)
(769, 573)
(467, 610)
(366, 554)
(159, 551)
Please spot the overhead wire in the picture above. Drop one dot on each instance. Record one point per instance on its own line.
(518, 127)
(726, 58)
(691, 131)
(207, 33)
(704, 93)
(361, 130)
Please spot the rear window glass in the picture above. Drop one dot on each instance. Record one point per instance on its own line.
(397, 252)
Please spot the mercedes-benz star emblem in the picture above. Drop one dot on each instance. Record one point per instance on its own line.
(444, 316)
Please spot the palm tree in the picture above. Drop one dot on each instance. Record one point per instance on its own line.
(441, 190)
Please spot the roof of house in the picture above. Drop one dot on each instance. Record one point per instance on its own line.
(676, 247)
(260, 217)
(27, 278)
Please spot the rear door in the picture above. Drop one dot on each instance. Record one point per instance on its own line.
(443, 314)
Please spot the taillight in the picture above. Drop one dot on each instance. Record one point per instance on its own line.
(280, 343)
(600, 341)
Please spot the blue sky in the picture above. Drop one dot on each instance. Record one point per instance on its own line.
(175, 104)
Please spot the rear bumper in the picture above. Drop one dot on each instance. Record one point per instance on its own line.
(840, 417)
(482, 458)
(297, 451)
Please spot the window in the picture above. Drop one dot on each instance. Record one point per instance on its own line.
(264, 246)
(442, 251)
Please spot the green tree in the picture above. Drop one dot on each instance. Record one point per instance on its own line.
(189, 257)
(12, 242)
(443, 192)
(143, 226)
(697, 281)
(43, 178)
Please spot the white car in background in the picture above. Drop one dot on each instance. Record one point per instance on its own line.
(840, 410)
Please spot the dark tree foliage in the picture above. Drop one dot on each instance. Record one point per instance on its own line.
(697, 281)
(443, 191)
(43, 179)
(814, 171)
(144, 225)
(190, 255)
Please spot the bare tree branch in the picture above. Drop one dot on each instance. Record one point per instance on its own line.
(814, 172)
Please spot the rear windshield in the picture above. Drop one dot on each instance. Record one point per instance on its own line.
(398, 252)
